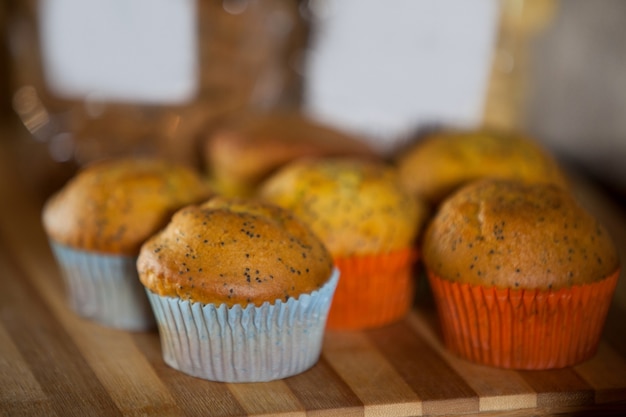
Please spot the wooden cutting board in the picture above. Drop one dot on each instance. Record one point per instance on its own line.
(53, 363)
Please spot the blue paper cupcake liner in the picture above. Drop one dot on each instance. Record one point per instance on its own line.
(104, 288)
(243, 344)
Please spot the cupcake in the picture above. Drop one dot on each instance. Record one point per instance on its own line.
(442, 161)
(98, 221)
(368, 222)
(522, 275)
(240, 290)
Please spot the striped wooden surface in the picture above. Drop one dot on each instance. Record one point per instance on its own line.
(53, 363)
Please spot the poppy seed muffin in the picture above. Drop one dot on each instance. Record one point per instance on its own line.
(357, 207)
(229, 251)
(442, 161)
(368, 222)
(113, 206)
(98, 221)
(497, 245)
(240, 289)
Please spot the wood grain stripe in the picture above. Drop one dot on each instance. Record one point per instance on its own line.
(59, 367)
(366, 370)
(28, 409)
(194, 396)
(441, 389)
(17, 383)
(604, 372)
(122, 369)
(269, 398)
(321, 390)
(559, 388)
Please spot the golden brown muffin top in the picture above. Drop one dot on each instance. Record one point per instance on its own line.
(113, 206)
(233, 251)
(508, 234)
(443, 161)
(357, 207)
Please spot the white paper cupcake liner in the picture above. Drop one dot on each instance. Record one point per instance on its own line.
(238, 344)
(104, 288)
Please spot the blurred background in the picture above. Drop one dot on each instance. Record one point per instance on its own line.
(85, 79)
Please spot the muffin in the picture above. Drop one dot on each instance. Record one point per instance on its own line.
(368, 222)
(240, 290)
(248, 148)
(442, 161)
(522, 275)
(97, 223)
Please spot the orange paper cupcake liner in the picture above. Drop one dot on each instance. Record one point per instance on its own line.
(373, 290)
(523, 329)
